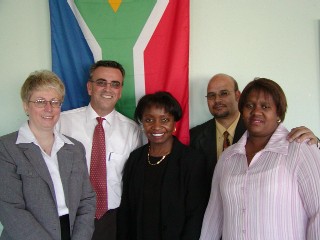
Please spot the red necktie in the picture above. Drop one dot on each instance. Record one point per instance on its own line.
(98, 175)
(226, 142)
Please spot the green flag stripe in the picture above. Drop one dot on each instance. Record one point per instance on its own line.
(116, 34)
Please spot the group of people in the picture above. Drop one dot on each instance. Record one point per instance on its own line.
(59, 183)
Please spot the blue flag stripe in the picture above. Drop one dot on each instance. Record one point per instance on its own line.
(71, 55)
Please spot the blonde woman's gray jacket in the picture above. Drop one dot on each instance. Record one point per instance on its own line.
(28, 206)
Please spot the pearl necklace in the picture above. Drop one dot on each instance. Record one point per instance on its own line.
(158, 162)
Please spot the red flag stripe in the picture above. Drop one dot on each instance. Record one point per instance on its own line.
(166, 60)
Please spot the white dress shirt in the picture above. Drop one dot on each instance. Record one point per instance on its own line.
(276, 197)
(25, 135)
(122, 136)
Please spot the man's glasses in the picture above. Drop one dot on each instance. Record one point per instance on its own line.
(104, 83)
(221, 94)
(41, 103)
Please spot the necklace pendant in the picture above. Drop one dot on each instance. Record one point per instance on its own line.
(156, 163)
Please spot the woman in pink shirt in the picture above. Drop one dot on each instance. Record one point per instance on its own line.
(265, 187)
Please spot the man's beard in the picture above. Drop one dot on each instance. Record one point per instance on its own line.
(221, 115)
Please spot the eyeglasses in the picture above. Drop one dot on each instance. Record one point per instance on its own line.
(104, 83)
(41, 103)
(221, 94)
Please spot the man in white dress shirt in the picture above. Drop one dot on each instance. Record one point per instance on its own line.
(122, 135)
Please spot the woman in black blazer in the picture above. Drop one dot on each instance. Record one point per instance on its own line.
(164, 182)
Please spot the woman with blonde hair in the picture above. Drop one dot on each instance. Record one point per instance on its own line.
(45, 192)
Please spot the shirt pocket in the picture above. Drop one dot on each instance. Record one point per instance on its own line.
(115, 164)
(115, 169)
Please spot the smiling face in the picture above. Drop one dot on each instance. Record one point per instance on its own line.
(158, 125)
(104, 98)
(42, 118)
(260, 114)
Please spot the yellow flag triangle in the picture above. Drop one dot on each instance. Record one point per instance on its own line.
(115, 4)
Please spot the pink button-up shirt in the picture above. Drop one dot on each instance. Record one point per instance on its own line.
(276, 197)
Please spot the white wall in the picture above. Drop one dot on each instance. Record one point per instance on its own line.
(24, 47)
(244, 38)
(252, 38)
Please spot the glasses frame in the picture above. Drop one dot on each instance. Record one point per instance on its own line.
(42, 103)
(104, 83)
(222, 94)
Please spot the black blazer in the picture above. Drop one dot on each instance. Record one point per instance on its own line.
(203, 138)
(183, 195)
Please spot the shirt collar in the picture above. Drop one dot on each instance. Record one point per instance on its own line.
(231, 130)
(92, 115)
(277, 143)
(25, 135)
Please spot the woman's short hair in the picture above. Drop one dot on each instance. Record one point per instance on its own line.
(159, 100)
(40, 80)
(266, 86)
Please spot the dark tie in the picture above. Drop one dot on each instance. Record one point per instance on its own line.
(226, 142)
(98, 169)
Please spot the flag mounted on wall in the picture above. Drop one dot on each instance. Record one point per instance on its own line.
(149, 38)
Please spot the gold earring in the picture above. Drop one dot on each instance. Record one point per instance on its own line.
(279, 121)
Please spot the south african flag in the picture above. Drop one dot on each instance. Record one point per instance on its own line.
(149, 38)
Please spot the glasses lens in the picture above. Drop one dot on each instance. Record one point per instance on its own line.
(104, 83)
(101, 83)
(221, 94)
(40, 103)
(224, 93)
(55, 103)
(211, 96)
(115, 84)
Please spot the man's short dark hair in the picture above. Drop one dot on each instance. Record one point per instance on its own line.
(107, 63)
